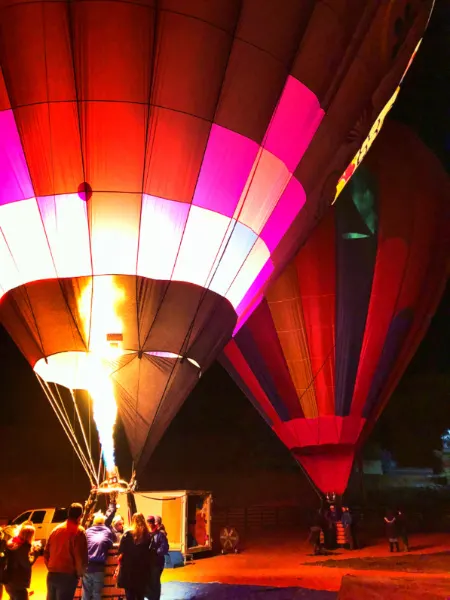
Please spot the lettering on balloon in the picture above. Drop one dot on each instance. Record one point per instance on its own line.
(374, 131)
(357, 160)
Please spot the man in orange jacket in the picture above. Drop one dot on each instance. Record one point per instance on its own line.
(66, 556)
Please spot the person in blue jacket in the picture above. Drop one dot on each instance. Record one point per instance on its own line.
(347, 522)
(100, 539)
(159, 547)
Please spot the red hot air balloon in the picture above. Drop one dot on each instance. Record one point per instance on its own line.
(149, 168)
(321, 355)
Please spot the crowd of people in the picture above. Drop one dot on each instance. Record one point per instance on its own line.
(395, 523)
(324, 529)
(332, 527)
(73, 553)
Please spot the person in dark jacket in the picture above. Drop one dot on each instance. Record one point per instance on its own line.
(160, 525)
(19, 558)
(403, 529)
(134, 559)
(315, 531)
(159, 547)
(2, 560)
(347, 521)
(100, 539)
(391, 531)
(331, 518)
(117, 528)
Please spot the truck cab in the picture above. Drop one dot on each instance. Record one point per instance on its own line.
(44, 520)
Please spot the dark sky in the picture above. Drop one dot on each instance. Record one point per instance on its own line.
(217, 430)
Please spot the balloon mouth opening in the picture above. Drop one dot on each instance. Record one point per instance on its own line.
(73, 369)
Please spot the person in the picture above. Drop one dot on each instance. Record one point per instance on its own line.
(160, 524)
(403, 529)
(134, 559)
(391, 531)
(331, 517)
(117, 528)
(19, 559)
(315, 531)
(66, 556)
(355, 531)
(100, 539)
(346, 521)
(159, 547)
(2, 560)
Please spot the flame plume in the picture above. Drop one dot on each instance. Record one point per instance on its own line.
(103, 327)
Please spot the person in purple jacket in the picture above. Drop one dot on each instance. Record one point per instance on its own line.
(100, 539)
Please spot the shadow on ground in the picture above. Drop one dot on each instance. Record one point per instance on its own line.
(408, 563)
(217, 591)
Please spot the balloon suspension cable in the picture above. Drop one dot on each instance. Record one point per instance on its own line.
(313, 485)
(113, 485)
(88, 449)
(100, 465)
(110, 488)
(62, 416)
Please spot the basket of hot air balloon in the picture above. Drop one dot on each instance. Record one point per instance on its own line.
(159, 162)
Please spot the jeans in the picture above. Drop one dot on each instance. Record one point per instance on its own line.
(93, 585)
(133, 595)
(15, 593)
(154, 590)
(393, 546)
(61, 586)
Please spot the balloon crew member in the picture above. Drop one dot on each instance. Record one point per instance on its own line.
(117, 528)
(317, 526)
(100, 540)
(160, 525)
(133, 573)
(2, 560)
(391, 531)
(403, 529)
(19, 559)
(159, 547)
(331, 517)
(347, 521)
(66, 556)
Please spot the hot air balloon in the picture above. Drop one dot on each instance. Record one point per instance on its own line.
(152, 157)
(322, 353)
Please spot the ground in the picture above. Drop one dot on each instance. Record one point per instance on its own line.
(286, 569)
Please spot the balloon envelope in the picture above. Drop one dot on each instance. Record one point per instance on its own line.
(322, 353)
(162, 151)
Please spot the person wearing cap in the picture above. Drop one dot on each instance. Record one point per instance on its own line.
(160, 524)
(159, 547)
(100, 540)
(117, 528)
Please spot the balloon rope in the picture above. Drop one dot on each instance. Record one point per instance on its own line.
(311, 482)
(66, 426)
(88, 450)
(99, 470)
(62, 406)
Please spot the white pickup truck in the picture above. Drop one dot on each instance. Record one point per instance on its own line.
(44, 520)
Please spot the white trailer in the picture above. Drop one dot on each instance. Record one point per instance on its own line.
(186, 515)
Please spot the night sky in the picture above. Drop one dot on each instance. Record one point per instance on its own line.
(218, 430)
